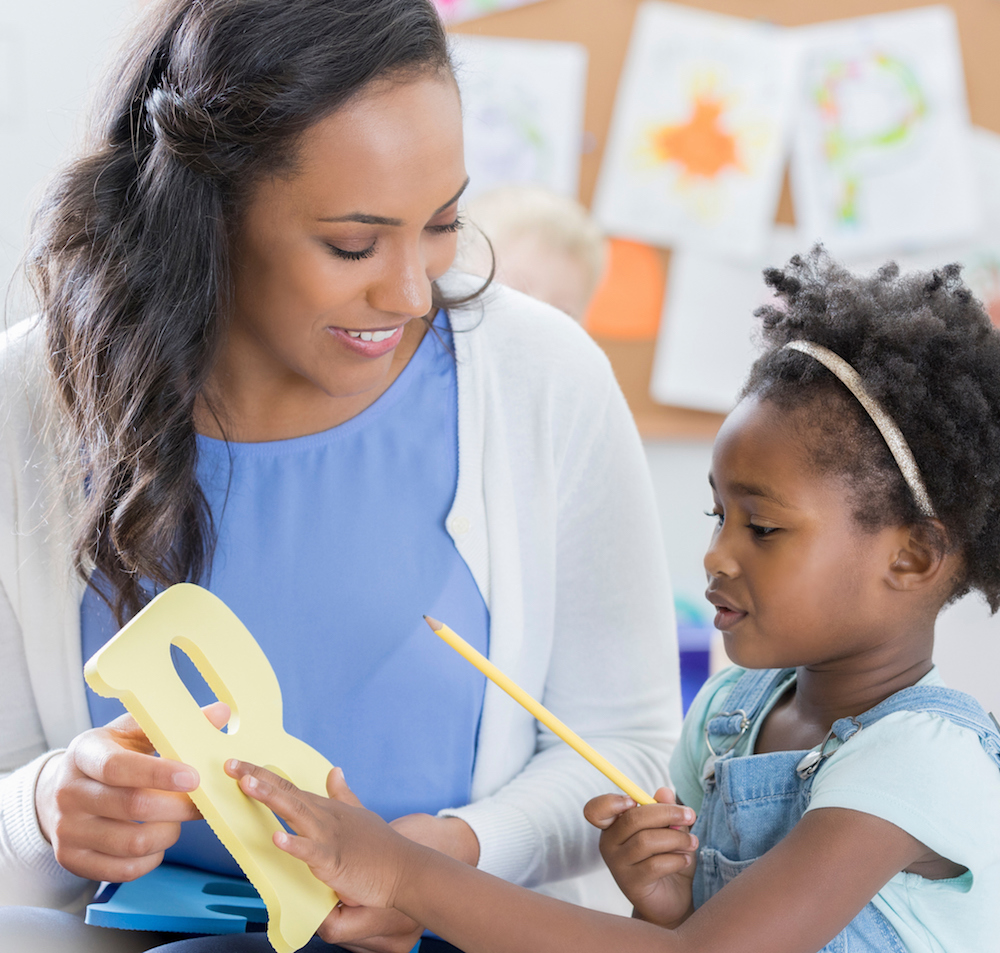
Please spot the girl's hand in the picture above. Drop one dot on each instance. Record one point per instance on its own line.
(347, 847)
(367, 929)
(89, 799)
(649, 852)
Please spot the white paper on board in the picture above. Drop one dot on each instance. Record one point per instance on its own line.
(706, 342)
(455, 11)
(523, 103)
(707, 334)
(881, 157)
(980, 255)
(697, 144)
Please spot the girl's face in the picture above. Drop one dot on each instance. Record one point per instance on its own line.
(334, 261)
(794, 579)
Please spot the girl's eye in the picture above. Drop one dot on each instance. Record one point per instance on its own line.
(449, 227)
(761, 531)
(718, 517)
(353, 255)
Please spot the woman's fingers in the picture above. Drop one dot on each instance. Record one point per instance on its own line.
(127, 803)
(218, 713)
(123, 839)
(93, 865)
(100, 755)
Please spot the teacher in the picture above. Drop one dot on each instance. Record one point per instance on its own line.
(254, 370)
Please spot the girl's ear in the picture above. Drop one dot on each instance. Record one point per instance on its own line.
(921, 557)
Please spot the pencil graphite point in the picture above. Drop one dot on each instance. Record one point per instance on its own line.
(433, 623)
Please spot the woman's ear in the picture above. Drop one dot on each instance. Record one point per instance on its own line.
(921, 557)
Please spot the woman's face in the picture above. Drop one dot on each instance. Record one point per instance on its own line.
(333, 262)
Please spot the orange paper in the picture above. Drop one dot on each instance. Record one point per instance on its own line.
(629, 299)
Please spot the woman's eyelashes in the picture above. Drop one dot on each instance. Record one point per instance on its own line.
(448, 227)
(348, 255)
(352, 255)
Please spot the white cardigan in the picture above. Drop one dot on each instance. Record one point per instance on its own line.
(555, 517)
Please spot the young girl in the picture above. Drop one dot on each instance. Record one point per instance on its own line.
(857, 492)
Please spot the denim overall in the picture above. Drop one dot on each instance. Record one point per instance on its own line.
(752, 801)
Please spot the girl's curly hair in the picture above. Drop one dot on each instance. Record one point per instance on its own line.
(927, 351)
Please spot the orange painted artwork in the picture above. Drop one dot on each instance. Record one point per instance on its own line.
(696, 149)
(627, 303)
(702, 147)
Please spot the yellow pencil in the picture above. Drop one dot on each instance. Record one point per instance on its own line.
(539, 711)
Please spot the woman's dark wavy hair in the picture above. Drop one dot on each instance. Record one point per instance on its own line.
(130, 252)
(927, 351)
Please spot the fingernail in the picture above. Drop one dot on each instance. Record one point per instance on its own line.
(232, 764)
(689, 815)
(251, 781)
(628, 803)
(185, 780)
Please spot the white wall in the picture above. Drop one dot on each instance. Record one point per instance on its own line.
(967, 647)
(51, 53)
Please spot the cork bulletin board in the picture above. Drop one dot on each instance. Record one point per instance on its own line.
(605, 26)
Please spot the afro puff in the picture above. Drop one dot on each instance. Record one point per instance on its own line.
(927, 351)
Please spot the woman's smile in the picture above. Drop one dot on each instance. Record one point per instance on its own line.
(369, 343)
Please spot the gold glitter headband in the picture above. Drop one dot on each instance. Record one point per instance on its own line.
(893, 436)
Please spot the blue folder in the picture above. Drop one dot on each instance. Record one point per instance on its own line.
(175, 899)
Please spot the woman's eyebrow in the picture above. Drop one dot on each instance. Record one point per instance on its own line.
(365, 219)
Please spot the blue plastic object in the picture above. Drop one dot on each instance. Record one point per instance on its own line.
(174, 899)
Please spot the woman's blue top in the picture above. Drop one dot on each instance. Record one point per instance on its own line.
(331, 548)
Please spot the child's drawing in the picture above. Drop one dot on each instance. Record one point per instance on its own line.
(706, 345)
(695, 152)
(979, 256)
(881, 146)
(455, 11)
(523, 106)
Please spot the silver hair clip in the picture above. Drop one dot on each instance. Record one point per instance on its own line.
(893, 436)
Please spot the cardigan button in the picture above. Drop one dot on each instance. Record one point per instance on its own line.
(460, 525)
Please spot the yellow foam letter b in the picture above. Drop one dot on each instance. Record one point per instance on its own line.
(136, 667)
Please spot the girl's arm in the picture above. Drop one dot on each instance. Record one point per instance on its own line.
(794, 899)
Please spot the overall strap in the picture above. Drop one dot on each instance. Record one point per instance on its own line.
(742, 705)
(956, 706)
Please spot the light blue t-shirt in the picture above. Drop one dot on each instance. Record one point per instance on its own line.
(918, 770)
(331, 548)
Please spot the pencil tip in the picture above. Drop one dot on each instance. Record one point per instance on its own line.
(433, 623)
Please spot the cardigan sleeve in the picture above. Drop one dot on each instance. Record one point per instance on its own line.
(612, 668)
(29, 872)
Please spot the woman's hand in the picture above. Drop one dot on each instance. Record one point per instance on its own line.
(90, 799)
(649, 852)
(348, 848)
